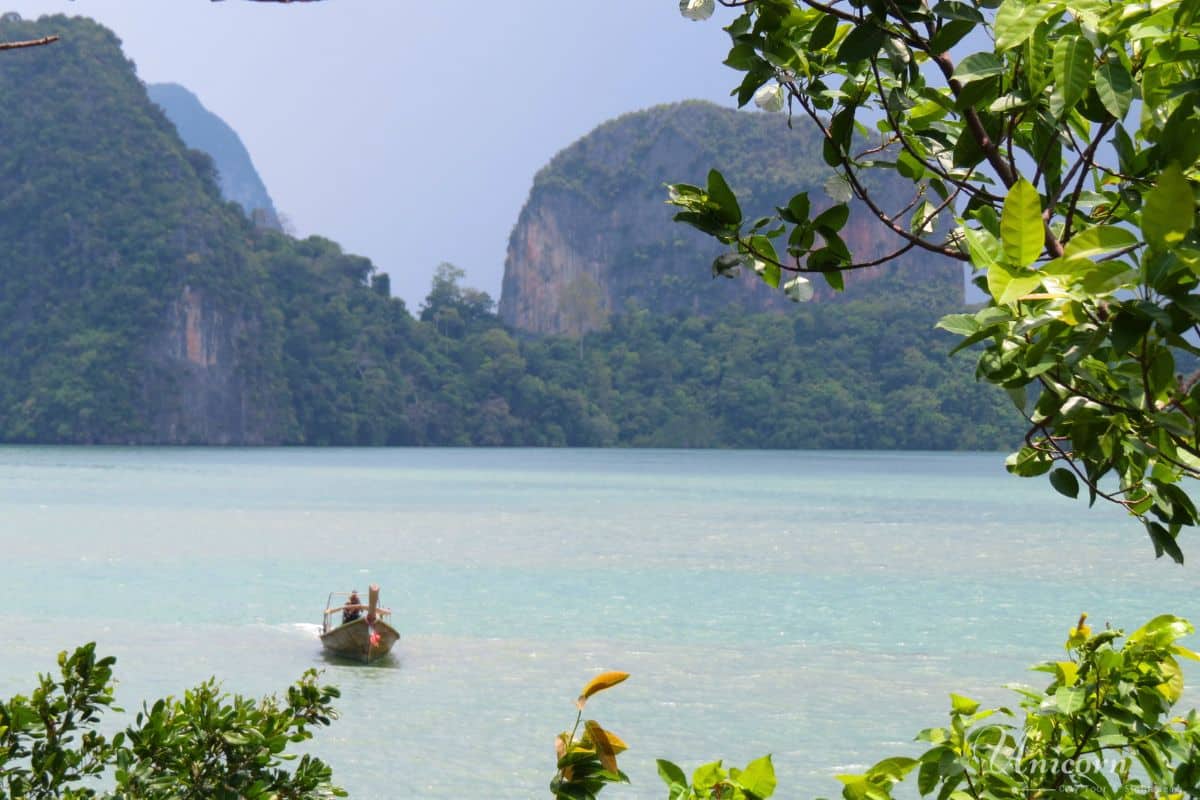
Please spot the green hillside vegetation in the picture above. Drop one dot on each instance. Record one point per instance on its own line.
(111, 227)
(363, 371)
(104, 216)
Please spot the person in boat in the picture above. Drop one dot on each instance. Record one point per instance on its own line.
(353, 608)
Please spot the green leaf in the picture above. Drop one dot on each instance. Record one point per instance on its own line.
(953, 9)
(978, 66)
(1169, 211)
(1021, 230)
(1180, 136)
(833, 218)
(967, 151)
(742, 57)
(1097, 241)
(982, 246)
(961, 324)
(963, 705)
(1008, 285)
(798, 207)
(766, 262)
(998, 277)
(928, 777)
(723, 197)
(1070, 699)
(895, 767)
(1028, 463)
(706, 776)
(1115, 87)
(1073, 61)
(1164, 542)
(823, 33)
(754, 79)
(834, 278)
(1015, 21)
(1019, 395)
(1128, 328)
(863, 42)
(1065, 482)
(759, 777)
(671, 774)
(951, 34)
(1162, 631)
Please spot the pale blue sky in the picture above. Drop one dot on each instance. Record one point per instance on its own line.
(410, 130)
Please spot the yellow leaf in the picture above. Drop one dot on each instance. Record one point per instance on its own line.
(561, 748)
(1180, 650)
(1067, 672)
(618, 745)
(1078, 635)
(1172, 687)
(605, 680)
(604, 747)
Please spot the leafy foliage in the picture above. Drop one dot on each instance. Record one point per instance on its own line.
(1104, 727)
(208, 744)
(588, 762)
(713, 782)
(364, 372)
(205, 745)
(1066, 154)
(48, 748)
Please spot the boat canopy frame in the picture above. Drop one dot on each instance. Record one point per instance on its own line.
(331, 610)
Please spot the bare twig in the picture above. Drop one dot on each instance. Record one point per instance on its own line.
(28, 43)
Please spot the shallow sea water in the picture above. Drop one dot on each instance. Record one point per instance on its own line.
(816, 605)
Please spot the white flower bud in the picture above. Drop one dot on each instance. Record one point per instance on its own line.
(697, 9)
(799, 289)
(769, 97)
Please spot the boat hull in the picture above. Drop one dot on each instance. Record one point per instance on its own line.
(353, 640)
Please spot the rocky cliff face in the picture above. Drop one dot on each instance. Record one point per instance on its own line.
(596, 217)
(200, 389)
(129, 310)
(203, 130)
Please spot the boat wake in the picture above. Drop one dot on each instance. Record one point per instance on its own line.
(309, 629)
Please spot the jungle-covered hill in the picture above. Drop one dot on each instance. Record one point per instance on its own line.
(139, 305)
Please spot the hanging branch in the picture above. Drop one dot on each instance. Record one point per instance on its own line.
(28, 43)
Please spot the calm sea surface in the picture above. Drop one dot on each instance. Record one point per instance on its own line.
(819, 606)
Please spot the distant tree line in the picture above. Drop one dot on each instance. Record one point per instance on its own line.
(861, 374)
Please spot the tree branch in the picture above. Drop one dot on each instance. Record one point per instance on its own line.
(990, 151)
(861, 193)
(28, 43)
(1088, 156)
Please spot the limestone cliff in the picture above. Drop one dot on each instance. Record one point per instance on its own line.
(205, 394)
(203, 130)
(130, 311)
(596, 216)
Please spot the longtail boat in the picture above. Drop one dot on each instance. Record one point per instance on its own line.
(367, 637)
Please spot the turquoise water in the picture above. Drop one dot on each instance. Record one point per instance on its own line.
(818, 606)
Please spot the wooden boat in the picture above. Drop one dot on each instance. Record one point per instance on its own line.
(366, 638)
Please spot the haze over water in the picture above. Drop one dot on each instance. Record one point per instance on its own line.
(815, 605)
